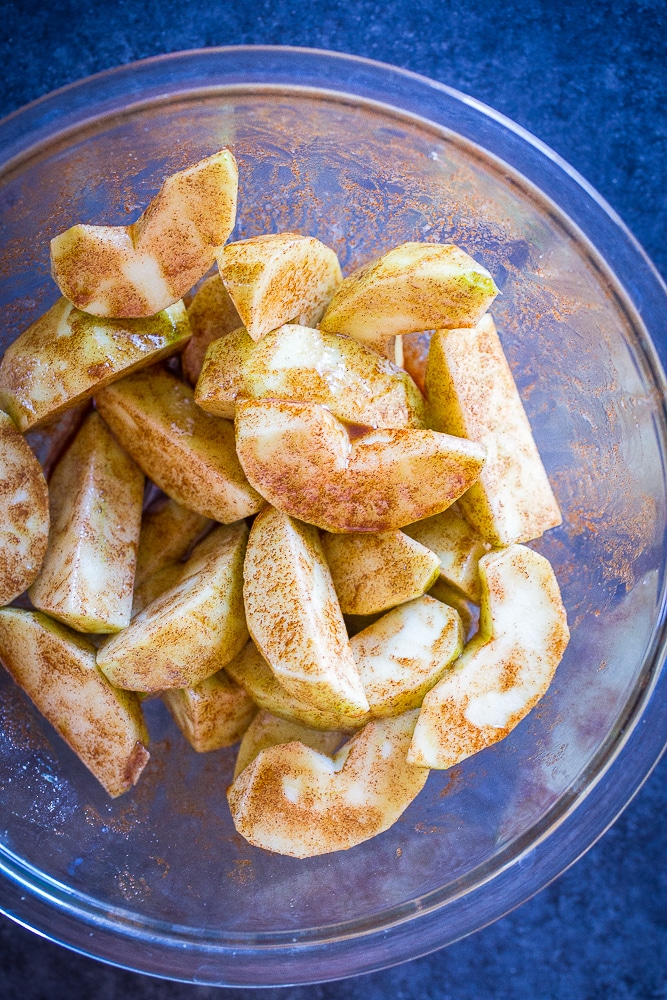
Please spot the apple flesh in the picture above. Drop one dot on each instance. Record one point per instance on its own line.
(96, 495)
(56, 669)
(301, 364)
(505, 669)
(212, 714)
(189, 454)
(457, 547)
(279, 277)
(268, 730)
(414, 287)
(67, 355)
(294, 800)
(301, 459)
(376, 571)
(294, 617)
(472, 393)
(190, 631)
(137, 270)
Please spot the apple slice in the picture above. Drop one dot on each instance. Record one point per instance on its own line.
(301, 459)
(301, 364)
(268, 730)
(190, 631)
(168, 530)
(189, 454)
(505, 669)
(376, 571)
(56, 669)
(253, 673)
(279, 277)
(212, 314)
(414, 287)
(472, 393)
(24, 513)
(448, 594)
(294, 617)
(296, 801)
(96, 495)
(67, 355)
(405, 652)
(213, 714)
(457, 547)
(137, 270)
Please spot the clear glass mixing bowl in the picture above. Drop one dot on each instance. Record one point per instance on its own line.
(362, 156)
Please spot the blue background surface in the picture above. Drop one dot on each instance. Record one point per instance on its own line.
(591, 81)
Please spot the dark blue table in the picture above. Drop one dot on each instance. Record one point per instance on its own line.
(591, 81)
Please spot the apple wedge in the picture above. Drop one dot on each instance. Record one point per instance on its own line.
(168, 531)
(151, 587)
(448, 594)
(56, 669)
(253, 673)
(268, 730)
(472, 393)
(190, 631)
(279, 277)
(404, 654)
(212, 314)
(301, 459)
(301, 364)
(296, 801)
(213, 714)
(414, 287)
(67, 355)
(457, 547)
(189, 454)
(376, 571)
(24, 513)
(505, 669)
(294, 618)
(95, 495)
(137, 270)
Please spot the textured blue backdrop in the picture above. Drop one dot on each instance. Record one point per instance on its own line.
(590, 80)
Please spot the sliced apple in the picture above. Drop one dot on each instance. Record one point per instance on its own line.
(213, 714)
(212, 314)
(505, 669)
(189, 454)
(299, 363)
(268, 730)
(294, 617)
(137, 270)
(56, 669)
(301, 459)
(457, 547)
(296, 801)
(376, 571)
(252, 672)
(190, 631)
(168, 531)
(96, 495)
(67, 355)
(279, 277)
(405, 652)
(414, 287)
(472, 393)
(24, 513)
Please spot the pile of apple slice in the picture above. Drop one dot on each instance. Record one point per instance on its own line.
(326, 533)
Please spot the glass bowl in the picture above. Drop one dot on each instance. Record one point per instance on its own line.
(364, 157)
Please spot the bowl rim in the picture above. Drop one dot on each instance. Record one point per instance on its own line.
(41, 904)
